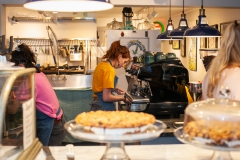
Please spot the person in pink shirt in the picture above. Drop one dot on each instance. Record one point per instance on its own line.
(49, 115)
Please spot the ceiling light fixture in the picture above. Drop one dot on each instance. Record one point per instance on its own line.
(68, 5)
(202, 29)
(154, 13)
(149, 16)
(164, 36)
(182, 27)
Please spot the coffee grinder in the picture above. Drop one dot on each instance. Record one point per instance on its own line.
(127, 18)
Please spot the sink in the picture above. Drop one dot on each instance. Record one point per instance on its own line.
(75, 81)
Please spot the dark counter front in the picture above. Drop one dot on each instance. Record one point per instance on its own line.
(172, 124)
(73, 102)
(74, 94)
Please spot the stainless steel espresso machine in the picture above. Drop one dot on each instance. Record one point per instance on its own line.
(158, 88)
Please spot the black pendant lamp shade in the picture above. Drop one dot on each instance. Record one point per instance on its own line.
(182, 27)
(202, 29)
(164, 36)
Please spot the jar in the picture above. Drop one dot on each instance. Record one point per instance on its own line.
(146, 25)
(159, 56)
(170, 55)
(148, 57)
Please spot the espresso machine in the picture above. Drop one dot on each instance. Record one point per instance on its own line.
(158, 88)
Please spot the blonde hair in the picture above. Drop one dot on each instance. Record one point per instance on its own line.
(228, 54)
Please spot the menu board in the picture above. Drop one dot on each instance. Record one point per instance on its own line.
(28, 122)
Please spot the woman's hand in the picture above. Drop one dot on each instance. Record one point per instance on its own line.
(127, 100)
(119, 91)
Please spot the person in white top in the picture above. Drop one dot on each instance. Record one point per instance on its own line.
(225, 67)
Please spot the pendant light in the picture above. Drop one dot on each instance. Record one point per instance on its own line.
(154, 13)
(164, 36)
(68, 5)
(202, 29)
(182, 27)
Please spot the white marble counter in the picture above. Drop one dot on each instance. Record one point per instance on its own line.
(142, 152)
(137, 152)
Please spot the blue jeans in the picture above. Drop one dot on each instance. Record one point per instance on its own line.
(44, 127)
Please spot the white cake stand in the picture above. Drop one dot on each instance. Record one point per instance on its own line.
(220, 152)
(115, 149)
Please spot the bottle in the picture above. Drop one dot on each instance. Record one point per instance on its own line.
(81, 48)
(98, 42)
(38, 63)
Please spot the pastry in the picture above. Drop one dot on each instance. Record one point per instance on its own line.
(114, 122)
(214, 132)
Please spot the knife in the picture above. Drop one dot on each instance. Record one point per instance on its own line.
(48, 153)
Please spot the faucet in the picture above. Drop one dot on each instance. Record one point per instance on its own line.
(58, 75)
(57, 68)
(64, 77)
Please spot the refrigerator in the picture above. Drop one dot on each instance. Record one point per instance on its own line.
(137, 41)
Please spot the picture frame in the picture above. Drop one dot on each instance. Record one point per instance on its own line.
(183, 47)
(223, 26)
(203, 42)
(176, 44)
(192, 60)
(213, 41)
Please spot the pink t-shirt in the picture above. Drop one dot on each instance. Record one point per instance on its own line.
(46, 99)
(229, 78)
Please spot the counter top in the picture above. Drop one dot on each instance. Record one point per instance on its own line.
(61, 71)
(135, 152)
(70, 82)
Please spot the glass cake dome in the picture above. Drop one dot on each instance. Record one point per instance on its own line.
(212, 124)
(214, 121)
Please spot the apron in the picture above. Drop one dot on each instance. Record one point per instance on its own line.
(107, 106)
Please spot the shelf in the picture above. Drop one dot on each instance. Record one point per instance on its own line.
(30, 19)
(59, 19)
(62, 41)
(75, 19)
(208, 49)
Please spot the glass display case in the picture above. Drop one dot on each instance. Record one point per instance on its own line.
(17, 109)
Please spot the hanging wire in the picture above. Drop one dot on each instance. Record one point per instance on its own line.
(202, 5)
(170, 10)
(183, 6)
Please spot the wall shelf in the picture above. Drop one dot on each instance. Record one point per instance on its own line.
(76, 19)
(58, 19)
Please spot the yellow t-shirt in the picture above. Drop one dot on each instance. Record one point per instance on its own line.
(103, 77)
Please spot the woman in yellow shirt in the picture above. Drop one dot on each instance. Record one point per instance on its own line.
(105, 79)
